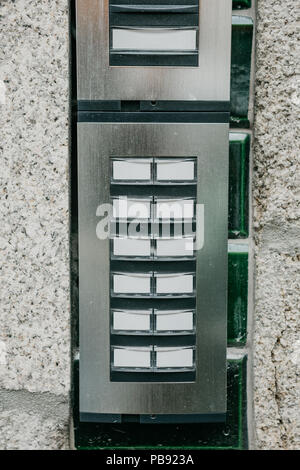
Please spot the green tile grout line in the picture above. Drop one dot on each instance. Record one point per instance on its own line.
(243, 139)
(239, 334)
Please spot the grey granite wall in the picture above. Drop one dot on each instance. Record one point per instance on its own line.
(277, 226)
(35, 313)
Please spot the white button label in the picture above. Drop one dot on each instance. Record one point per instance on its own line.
(170, 170)
(131, 284)
(178, 209)
(152, 39)
(134, 358)
(131, 170)
(131, 247)
(124, 208)
(174, 321)
(131, 320)
(181, 284)
(168, 358)
(175, 247)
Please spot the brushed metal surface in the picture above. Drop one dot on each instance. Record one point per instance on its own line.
(97, 80)
(97, 143)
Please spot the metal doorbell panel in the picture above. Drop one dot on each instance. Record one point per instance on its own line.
(152, 317)
(150, 50)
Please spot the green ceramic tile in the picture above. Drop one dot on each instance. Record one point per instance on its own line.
(237, 298)
(242, 34)
(238, 210)
(239, 4)
(230, 435)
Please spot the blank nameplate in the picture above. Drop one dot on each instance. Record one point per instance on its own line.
(175, 247)
(174, 321)
(132, 320)
(138, 247)
(131, 284)
(176, 358)
(156, 40)
(132, 170)
(181, 284)
(124, 208)
(134, 358)
(172, 170)
(179, 209)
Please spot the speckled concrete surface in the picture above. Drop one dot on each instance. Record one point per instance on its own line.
(33, 421)
(35, 314)
(277, 227)
(34, 303)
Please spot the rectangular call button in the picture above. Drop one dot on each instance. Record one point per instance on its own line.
(131, 247)
(138, 169)
(131, 358)
(175, 170)
(131, 320)
(128, 208)
(129, 284)
(174, 358)
(172, 284)
(174, 209)
(154, 39)
(183, 247)
(174, 320)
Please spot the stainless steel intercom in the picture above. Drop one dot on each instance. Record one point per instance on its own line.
(153, 93)
(154, 49)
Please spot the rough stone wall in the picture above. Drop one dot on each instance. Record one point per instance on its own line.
(34, 247)
(277, 226)
(34, 303)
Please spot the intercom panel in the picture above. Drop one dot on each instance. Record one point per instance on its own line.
(152, 269)
(135, 50)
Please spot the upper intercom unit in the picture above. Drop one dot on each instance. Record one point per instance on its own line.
(153, 50)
